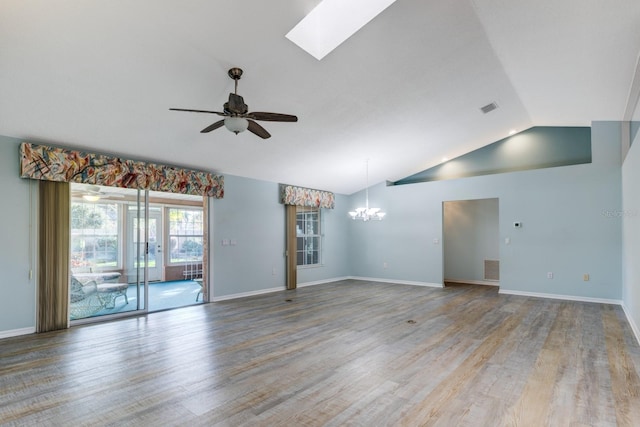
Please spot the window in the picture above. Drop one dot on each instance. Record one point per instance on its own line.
(95, 236)
(309, 239)
(185, 235)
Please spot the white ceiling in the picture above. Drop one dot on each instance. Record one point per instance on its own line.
(403, 92)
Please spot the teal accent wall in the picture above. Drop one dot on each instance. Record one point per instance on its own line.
(535, 148)
(635, 127)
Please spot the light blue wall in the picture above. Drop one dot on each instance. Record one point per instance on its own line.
(567, 229)
(251, 215)
(630, 215)
(335, 261)
(569, 216)
(17, 304)
(471, 235)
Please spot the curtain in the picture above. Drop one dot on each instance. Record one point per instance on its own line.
(300, 196)
(58, 164)
(205, 249)
(292, 247)
(53, 260)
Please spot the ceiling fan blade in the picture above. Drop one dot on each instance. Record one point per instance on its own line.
(214, 126)
(273, 117)
(258, 130)
(198, 111)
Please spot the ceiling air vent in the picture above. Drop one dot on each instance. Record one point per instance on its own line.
(489, 107)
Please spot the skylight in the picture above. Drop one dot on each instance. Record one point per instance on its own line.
(332, 22)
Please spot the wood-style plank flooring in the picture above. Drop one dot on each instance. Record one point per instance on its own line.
(349, 353)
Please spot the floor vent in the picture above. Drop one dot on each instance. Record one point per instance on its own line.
(491, 269)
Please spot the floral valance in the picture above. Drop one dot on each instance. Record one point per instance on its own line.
(299, 196)
(57, 164)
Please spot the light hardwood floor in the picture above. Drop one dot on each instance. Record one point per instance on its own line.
(347, 353)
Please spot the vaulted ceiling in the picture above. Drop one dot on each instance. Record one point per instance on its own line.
(404, 91)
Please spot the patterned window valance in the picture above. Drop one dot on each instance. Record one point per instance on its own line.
(57, 164)
(299, 196)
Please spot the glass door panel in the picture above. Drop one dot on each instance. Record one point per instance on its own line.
(147, 241)
(104, 280)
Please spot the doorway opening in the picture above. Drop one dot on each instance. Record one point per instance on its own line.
(471, 250)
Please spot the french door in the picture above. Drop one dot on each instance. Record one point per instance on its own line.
(146, 239)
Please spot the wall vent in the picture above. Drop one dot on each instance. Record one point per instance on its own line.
(491, 269)
(489, 108)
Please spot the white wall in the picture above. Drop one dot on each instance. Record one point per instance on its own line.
(17, 304)
(471, 235)
(630, 216)
(564, 211)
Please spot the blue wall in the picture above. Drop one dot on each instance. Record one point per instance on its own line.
(567, 229)
(630, 216)
(571, 227)
(250, 214)
(17, 305)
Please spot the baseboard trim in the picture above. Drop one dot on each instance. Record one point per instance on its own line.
(397, 282)
(562, 297)
(321, 282)
(247, 294)
(634, 327)
(17, 332)
(473, 282)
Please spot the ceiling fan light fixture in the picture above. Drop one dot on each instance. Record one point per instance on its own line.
(91, 197)
(236, 124)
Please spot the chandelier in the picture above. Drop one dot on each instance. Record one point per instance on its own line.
(366, 213)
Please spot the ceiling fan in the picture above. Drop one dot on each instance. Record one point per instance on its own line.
(237, 117)
(93, 193)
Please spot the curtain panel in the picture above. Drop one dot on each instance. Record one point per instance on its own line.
(57, 164)
(299, 196)
(53, 259)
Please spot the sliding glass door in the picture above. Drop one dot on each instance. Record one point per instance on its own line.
(134, 251)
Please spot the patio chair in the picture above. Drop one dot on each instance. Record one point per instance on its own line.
(200, 292)
(84, 300)
(108, 292)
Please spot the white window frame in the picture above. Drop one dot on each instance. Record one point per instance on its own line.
(300, 233)
(120, 240)
(169, 235)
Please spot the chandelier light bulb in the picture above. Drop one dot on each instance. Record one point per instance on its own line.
(366, 213)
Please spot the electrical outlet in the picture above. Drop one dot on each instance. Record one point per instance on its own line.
(385, 265)
(550, 275)
(585, 277)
